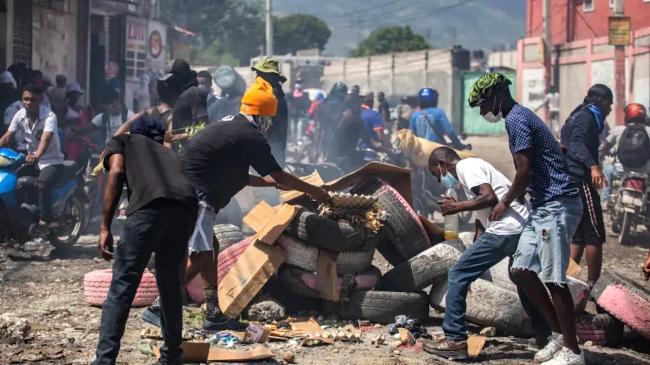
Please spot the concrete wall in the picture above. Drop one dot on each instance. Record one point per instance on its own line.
(401, 74)
(54, 40)
(584, 63)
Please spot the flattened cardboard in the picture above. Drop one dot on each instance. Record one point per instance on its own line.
(310, 326)
(203, 352)
(269, 222)
(247, 276)
(327, 283)
(474, 345)
(397, 177)
(259, 216)
(574, 269)
(314, 179)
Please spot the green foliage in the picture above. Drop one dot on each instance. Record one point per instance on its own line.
(389, 40)
(232, 29)
(299, 31)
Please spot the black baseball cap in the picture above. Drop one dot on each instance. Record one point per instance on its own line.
(176, 66)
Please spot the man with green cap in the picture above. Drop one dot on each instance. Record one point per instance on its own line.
(268, 69)
(542, 256)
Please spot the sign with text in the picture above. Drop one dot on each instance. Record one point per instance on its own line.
(619, 30)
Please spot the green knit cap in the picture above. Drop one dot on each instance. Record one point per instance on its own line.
(483, 85)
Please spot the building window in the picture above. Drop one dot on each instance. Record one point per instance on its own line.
(588, 5)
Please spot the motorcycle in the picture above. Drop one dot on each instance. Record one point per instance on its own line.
(630, 206)
(19, 197)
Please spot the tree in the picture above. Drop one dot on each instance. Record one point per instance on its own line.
(390, 39)
(299, 31)
(233, 28)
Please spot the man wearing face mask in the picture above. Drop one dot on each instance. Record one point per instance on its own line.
(581, 139)
(542, 255)
(493, 240)
(217, 160)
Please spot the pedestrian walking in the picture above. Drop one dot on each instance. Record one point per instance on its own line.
(580, 138)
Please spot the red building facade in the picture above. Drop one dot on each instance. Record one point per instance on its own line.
(575, 20)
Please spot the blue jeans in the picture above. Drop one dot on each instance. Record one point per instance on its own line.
(486, 252)
(544, 244)
(162, 226)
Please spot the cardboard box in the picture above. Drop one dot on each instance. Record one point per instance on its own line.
(247, 277)
(270, 222)
(199, 352)
(328, 288)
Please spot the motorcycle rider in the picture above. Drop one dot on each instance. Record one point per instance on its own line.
(580, 139)
(35, 128)
(634, 114)
(431, 122)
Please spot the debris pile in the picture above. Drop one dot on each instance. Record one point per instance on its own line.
(14, 329)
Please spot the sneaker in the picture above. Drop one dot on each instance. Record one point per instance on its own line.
(567, 357)
(219, 322)
(448, 349)
(551, 348)
(151, 315)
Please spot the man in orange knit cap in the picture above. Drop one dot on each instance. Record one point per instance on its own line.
(217, 161)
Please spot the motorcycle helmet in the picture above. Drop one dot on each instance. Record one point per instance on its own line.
(427, 97)
(635, 113)
(338, 90)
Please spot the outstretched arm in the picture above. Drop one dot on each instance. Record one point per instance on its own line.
(519, 185)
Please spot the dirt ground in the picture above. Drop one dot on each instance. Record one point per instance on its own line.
(49, 294)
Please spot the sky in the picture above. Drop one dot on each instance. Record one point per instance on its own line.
(475, 24)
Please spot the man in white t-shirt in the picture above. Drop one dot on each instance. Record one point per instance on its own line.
(114, 115)
(35, 128)
(493, 240)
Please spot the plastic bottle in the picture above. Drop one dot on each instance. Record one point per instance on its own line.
(452, 221)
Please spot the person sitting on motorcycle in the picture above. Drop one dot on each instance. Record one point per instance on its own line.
(35, 126)
(431, 122)
(635, 114)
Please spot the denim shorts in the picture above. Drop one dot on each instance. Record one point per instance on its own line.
(544, 243)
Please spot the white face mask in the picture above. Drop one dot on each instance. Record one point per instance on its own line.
(490, 117)
(263, 122)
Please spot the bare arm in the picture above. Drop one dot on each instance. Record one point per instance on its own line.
(112, 192)
(126, 126)
(519, 185)
(6, 138)
(289, 181)
(261, 182)
(485, 198)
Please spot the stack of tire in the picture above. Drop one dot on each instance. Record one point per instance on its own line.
(401, 237)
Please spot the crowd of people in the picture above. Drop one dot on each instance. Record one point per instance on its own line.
(185, 157)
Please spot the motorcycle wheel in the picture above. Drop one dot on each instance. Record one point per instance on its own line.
(616, 222)
(626, 229)
(72, 227)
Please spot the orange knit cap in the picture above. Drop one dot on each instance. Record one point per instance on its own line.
(259, 99)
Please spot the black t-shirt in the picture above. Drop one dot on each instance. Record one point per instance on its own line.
(218, 158)
(152, 171)
(191, 107)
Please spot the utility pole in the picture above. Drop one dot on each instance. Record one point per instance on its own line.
(547, 44)
(619, 71)
(269, 28)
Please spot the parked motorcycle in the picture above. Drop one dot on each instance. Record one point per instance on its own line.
(19, 195)
(630, 206)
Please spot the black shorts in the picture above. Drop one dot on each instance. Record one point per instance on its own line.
(591, 230)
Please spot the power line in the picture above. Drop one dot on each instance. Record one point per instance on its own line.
(420, 15)
(379, 6)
